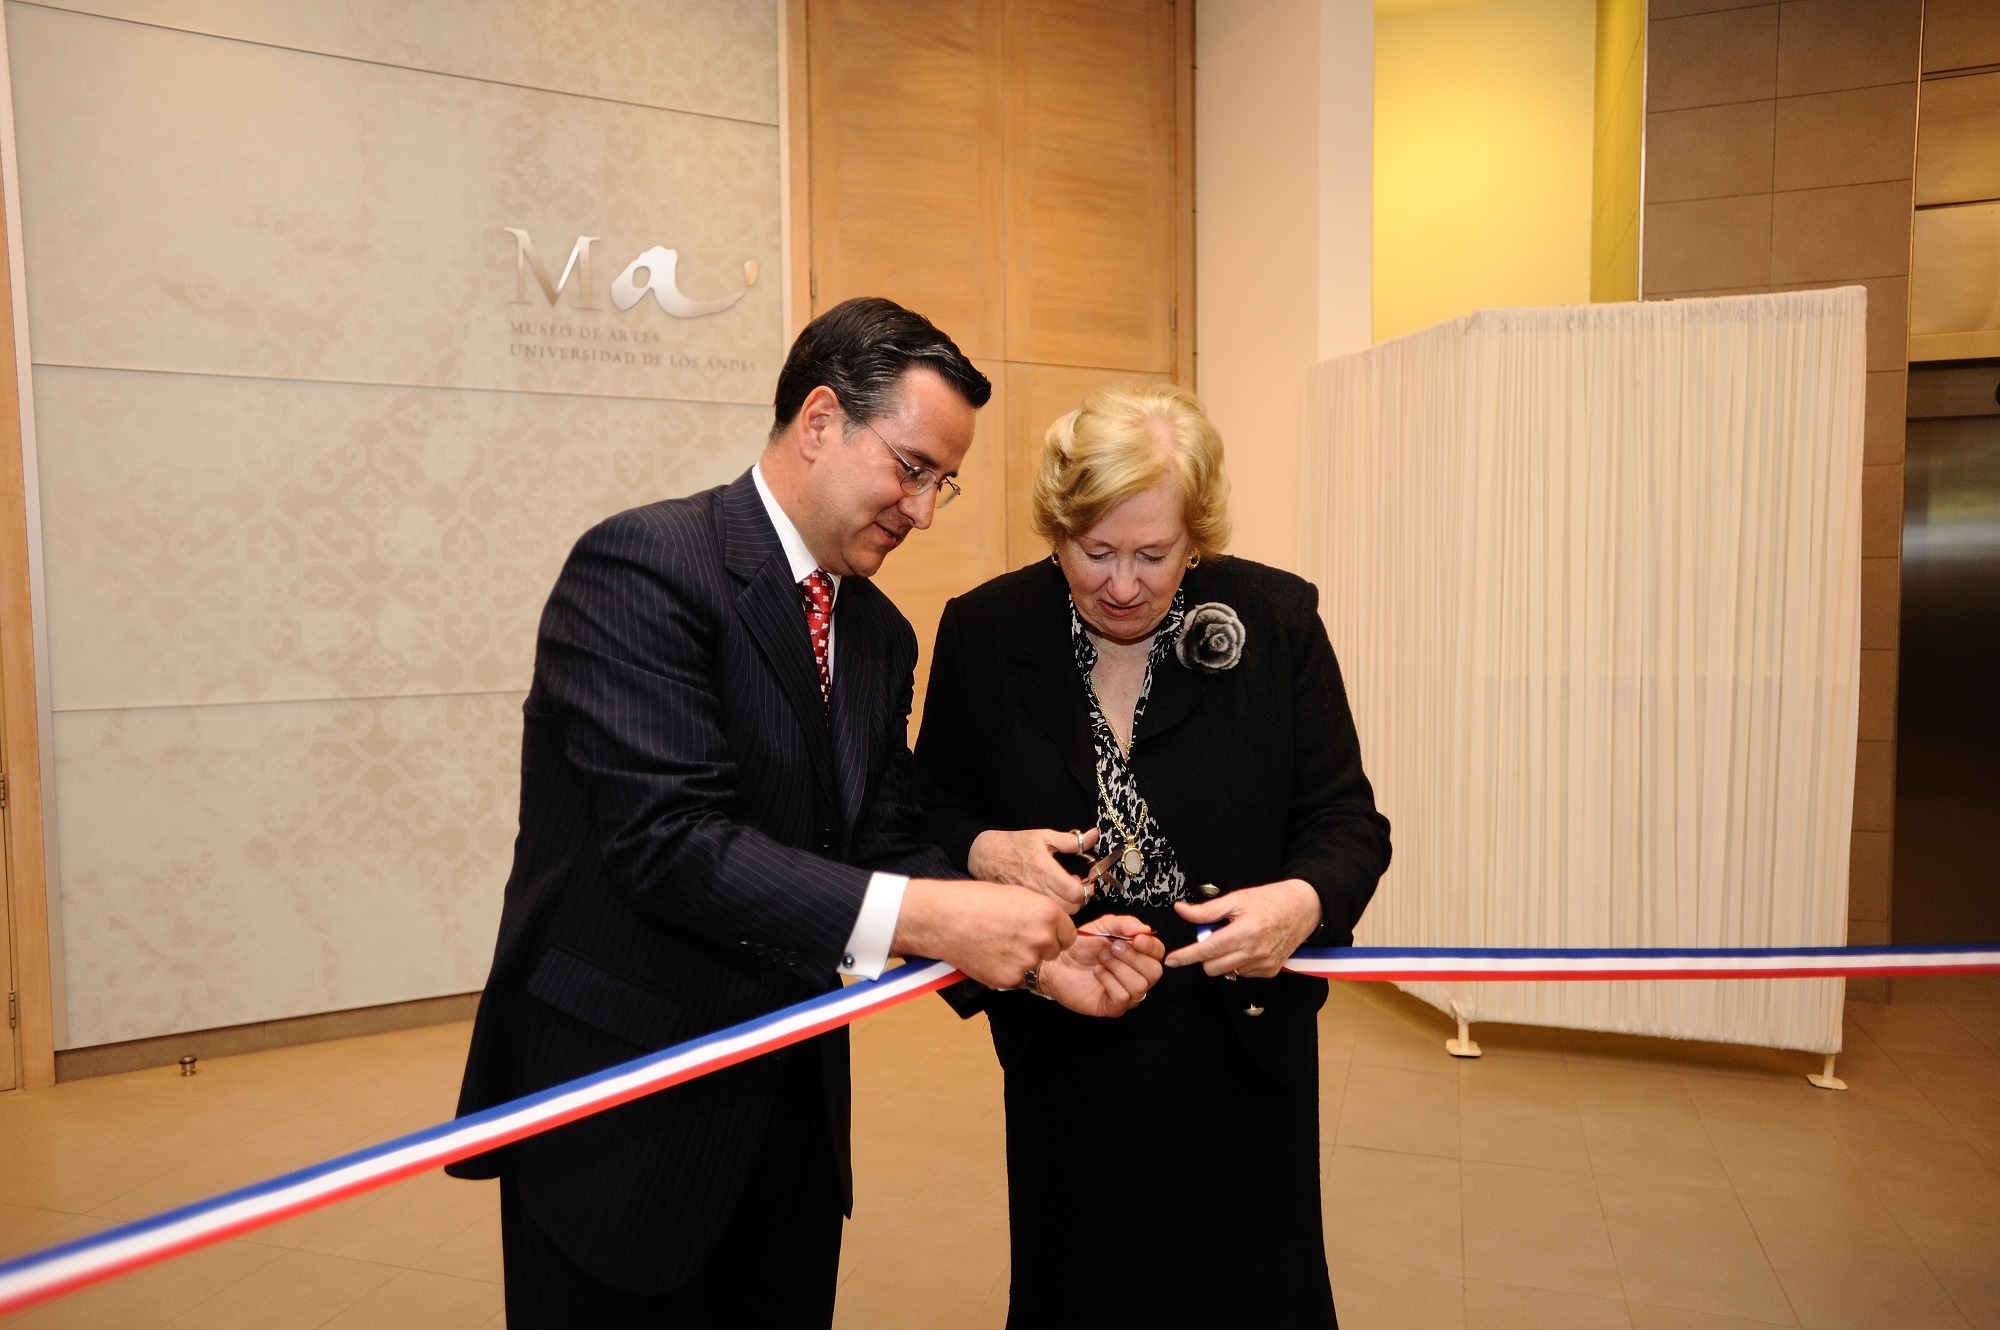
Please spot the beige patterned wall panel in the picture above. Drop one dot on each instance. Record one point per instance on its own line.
(242, 863)
(717, 57)
(204, 205)
(308, 470)
(216, 540)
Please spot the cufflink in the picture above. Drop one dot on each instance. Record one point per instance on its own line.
(848, 960)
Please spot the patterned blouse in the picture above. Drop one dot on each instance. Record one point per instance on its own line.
(1160, 882)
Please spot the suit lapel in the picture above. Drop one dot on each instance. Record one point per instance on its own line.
(860, 690)
(1047, 682)
(770, 609)
(1177, 691)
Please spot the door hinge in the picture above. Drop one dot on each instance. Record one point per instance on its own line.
(13, 1010)
(812, 283)
(3, 789)
(1173, 318)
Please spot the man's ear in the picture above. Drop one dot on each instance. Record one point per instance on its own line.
(819, 421)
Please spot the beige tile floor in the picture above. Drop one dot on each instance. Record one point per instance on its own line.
(1563, 1180)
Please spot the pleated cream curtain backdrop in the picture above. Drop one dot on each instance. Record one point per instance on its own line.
(1593, 574)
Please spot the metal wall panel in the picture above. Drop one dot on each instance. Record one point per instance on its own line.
(1948, 731)
(1958, 122)
(1955, 282)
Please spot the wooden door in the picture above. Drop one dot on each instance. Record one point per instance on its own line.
(27, 1053)
(10, 1054)
(1091, 186)
(904, 135)
(1016, 170)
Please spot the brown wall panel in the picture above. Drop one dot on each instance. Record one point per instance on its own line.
(1960, 34)
(1708, 152)
(1711, 59)
(1090, 182)
(1825, 45)
(1882, 437)
(1852, 137)
(906, 165)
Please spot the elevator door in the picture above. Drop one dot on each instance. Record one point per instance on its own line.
(1947, 874)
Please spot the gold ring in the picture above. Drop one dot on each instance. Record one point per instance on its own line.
(1079, 841)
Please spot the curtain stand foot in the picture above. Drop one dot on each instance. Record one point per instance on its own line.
(1826, 1080)
(1461, 1047)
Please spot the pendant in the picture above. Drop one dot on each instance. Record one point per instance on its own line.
(1132, 862)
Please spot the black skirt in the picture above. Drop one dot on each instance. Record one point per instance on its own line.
(1157, 1176)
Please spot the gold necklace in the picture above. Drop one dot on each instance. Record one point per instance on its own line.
(1132, 861)
(1124, 749)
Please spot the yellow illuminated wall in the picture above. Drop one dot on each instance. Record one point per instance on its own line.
(1483, 149)
(1621, 127)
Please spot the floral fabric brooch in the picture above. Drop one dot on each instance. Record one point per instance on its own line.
(1212, 639)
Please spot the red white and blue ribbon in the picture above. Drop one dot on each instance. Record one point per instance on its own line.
(47, 1274)
(128, 1247)
(1487, 964)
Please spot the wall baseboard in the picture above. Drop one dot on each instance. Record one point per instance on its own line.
(75, 1064)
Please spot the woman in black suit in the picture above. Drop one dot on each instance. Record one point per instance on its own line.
(1184, 713)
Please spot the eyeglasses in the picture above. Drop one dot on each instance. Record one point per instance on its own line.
(918, 479)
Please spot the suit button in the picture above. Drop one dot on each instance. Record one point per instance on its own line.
(826, 838)
(758, 949)
(1253, 1010)
(791, 958)
(1210, 890)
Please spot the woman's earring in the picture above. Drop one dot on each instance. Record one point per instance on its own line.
(1194, 560)
(1056, 559)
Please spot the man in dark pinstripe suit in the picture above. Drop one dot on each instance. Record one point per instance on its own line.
(716, 821)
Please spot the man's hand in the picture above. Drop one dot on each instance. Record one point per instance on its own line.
(1266, 925)
(988, 931)
(1105, 975)
(1028, 859)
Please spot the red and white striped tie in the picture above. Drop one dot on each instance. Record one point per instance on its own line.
(816, 593)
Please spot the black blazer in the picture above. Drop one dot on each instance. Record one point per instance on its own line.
(696, 839)
(1254, 774)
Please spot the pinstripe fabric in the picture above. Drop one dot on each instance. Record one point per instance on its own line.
(697, 833)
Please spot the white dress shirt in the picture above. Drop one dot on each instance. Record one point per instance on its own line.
(867, 951)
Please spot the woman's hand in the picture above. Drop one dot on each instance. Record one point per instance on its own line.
(1028, 859)
(1104, 975)
(1266, 925)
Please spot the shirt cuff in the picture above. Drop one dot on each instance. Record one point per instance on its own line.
(867, 951)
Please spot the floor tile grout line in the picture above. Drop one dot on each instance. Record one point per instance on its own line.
(1949, 1121)
(1963, 1310)
(1736, 1194)
(277, 1254)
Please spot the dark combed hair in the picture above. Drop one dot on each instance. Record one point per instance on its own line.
(860, 349)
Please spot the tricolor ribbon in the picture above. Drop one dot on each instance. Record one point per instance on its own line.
(58, 1270)
(1415, 964)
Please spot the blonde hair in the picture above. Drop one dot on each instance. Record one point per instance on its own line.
(1122, 441)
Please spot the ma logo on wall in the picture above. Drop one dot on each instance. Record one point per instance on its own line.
(654, 272)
